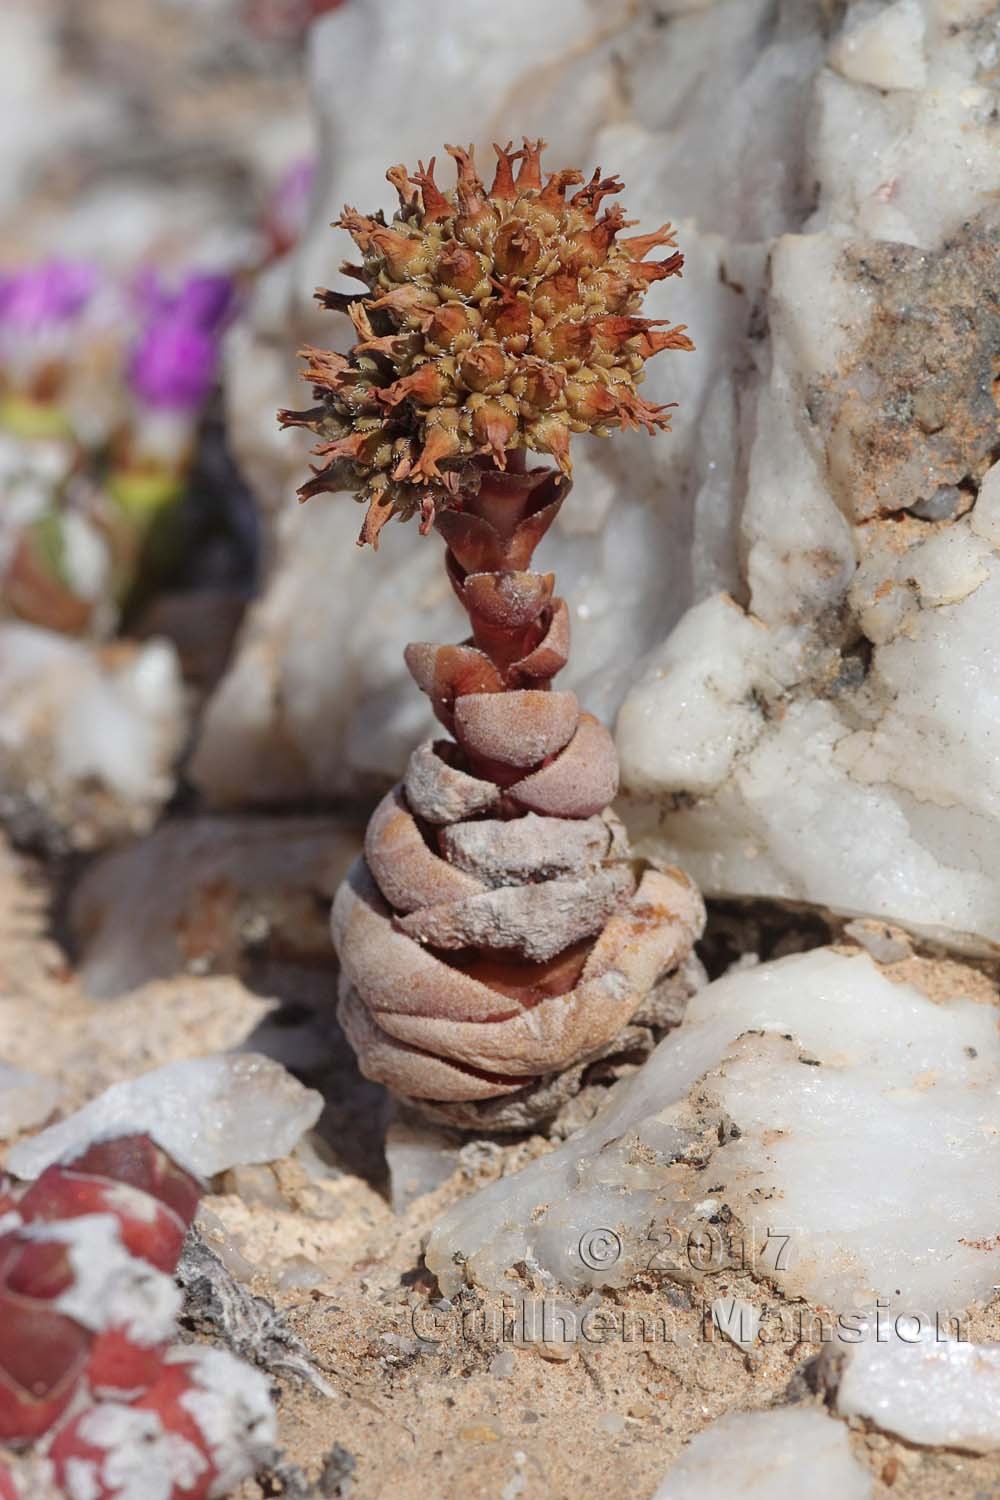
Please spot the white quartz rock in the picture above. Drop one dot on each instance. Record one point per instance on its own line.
(32, 68)
(810, 1093)
(208, 1113)
(856, 759)
(923, 1386)
(880, 798)
(208, 894)
(883, 45)
(912, 163)
(708, 677)
(419, 1157)
(25, 1100)
(738, 1319)
(88, 735)
(768, 1455)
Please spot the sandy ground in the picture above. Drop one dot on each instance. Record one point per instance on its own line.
(420, 1401)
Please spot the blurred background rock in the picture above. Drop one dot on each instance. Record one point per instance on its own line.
(157, 156)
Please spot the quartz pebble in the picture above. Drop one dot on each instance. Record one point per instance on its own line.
(922, 1385)
(208, 1113)
(737, 1319)
(25, 1100)
(208, 894)
(420, 1157)
(768, 1455)
(809, 1093)
(88, 735)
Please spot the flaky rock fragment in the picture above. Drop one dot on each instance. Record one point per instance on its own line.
(497, 933)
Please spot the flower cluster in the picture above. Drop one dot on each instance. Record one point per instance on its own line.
(102, 386)
(35, 297)
(174, 361)
(494, 320)
(90, 1385)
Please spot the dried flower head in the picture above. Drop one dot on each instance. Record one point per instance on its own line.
(494, 320)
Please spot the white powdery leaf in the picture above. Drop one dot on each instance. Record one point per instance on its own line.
(111, 1288)
(768, 1455)
(839, 1105)
(925, 1388)
(207, 1113)
(232, 1406)
(142, 1461)
(25, 1100)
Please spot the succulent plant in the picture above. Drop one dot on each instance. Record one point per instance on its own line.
(89, 1384)
(498, 936)
(494, 322)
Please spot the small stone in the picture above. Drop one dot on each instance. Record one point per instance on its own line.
(887, 945)
(884, 48)
(25, 1100)
(765, 1455)
(301, 1274)
(208, 1113)
(89, 734)
(254, 1184)
(209, 895)
(941, 506)
(420, 1158)
(478, 1432)
(922, 1385)
(738, 1320)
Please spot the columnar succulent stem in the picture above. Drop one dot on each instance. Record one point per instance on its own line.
(497, 931)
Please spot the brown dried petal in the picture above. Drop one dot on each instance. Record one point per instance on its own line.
(638, 944)
(551, 653)
(445, 673)
(507, 599)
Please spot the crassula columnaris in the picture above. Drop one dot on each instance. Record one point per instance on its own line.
(498, 935)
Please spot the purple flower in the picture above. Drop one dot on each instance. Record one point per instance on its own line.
(202, 300)
(174, 360)
(173, 364)
(205, 300)
(50, 293)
